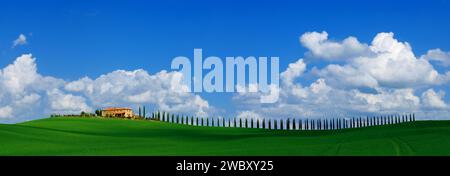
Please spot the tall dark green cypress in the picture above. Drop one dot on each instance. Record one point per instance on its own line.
(140, 111)
(257, 123)
(275, 124)
(300, 124)
(246, 123)
(332, 124)
(263, 124)
(240, 123)
(270, 124)
(294, 124)
(144, 112)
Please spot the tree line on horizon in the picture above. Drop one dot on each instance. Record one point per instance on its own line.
(284, 124)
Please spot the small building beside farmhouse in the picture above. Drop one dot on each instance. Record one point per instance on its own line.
(118, 112)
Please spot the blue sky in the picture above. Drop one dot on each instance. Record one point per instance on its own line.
(73, 39)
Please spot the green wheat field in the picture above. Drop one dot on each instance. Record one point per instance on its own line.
(113, 137)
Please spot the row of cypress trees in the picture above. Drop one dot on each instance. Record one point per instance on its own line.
(287, 124)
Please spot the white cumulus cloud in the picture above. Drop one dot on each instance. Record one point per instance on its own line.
(321, 47)
(432, 99)
(21, 40)
(25, 94)
(438, 55)
(384, 77)
(392, 65)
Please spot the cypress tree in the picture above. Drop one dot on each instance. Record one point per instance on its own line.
(332, 124)
(288, 124)
(212, 122)
(306, 124)
(313, 124)
(207, 121)
(223, 122)
(300, 124)
(275, 124)
(269, 124)
(240, 123)
(257, 123)
(294, 124)
(140, 111)
(263, 124)
(251, 123)
(143, 112)
(338, 123)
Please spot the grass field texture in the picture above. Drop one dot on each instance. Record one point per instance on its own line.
(94, 136)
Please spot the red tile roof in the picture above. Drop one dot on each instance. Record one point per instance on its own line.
(113, 109)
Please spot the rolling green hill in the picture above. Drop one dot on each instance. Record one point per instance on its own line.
(91, 136)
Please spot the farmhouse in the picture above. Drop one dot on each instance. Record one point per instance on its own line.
(117, 112)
